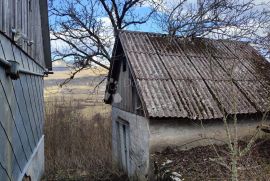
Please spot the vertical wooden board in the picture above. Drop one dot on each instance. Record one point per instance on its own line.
(18, 23)
(13, 14)
(3, 174)
(34, 65)
(25, 14)
(17, 56)
(39, 70)
(13, 148)
(7, 48)
(5, 149)
(28, 25)
(17, 111)
(40, 48)
(5, 16)
(22, 103)
(24, 125)
(21, 131)
(35, 103)
(25, 61)
(42, 99)
(22, 20)
(21, 90)
(11, 110)
(1, 15)
(24, 83)
(6, 154)
(19, 15)
(35, 32)
(41, 83)
(31, 65)
(1, 51)
(39, 102)
(10, 17)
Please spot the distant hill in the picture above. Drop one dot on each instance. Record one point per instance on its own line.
(61, 65)
(56, 69)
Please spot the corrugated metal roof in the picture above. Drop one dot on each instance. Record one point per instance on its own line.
(161, 98)
(196, 78)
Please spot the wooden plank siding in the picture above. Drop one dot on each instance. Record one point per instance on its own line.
(21, 110)
(126, 89)
(24, 17)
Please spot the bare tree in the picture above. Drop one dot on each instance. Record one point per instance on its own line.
(230, 19)
(86, 29)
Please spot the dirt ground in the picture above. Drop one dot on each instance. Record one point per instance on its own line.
(198, 163)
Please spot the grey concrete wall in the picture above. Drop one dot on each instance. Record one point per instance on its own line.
(185, 134)
(139, 143)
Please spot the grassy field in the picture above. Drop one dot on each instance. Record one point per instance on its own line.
(77, 128)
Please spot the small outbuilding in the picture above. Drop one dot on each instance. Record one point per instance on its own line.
(172, 91)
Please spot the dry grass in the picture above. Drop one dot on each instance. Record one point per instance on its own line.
(84, 73)
(77, 128)
(77, 146)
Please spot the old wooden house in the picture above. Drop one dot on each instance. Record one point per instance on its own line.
(170, 91)
(24, 59)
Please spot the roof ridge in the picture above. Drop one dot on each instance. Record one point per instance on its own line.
(178, 36)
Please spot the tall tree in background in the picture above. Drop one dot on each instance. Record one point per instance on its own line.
(247, 20)
(86, 29)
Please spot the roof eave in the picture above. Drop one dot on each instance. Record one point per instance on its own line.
(43, 6)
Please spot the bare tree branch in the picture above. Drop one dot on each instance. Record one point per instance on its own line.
(86, 30)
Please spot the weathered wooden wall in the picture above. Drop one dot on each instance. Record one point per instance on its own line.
(21, 111)
(24, 17)
(126, 91)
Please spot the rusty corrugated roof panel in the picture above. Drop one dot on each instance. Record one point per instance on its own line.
(209, 69)
(147, 66)
(240, 49)
(257, 93)
(161, 98)
(196, 78)
(230, 97)
(137, 42)
(217, 49)
(197, 99)
(235, 69)
(180, 67)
